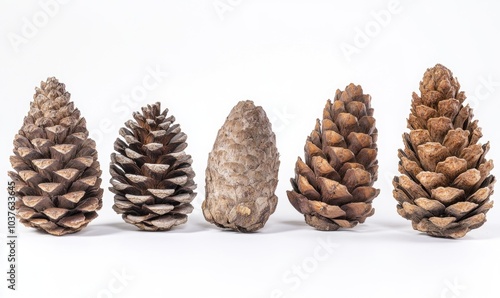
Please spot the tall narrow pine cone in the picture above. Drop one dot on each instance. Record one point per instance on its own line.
(242, 171)
(151, 175)
(445, 184)
(333, 188)
(57, 174)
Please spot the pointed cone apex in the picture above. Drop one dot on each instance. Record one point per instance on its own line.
(445, 184)
(151, 175)
(333, 188)
(242, 171)
(48, 169)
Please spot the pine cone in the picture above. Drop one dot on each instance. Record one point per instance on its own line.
(446, 181)
(57, 173)
(151, 175)
(242, 171)
(333, 188)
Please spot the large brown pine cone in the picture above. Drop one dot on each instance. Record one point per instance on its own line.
(57, 174)
(446, 182)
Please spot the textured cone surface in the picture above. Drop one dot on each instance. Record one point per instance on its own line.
(242, 171)
(151, 175)
(57, 174)
(446, 182)
(333, 188)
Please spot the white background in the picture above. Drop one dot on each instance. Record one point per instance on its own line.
(287, 57)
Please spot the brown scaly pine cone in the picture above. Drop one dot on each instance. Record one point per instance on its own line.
(445, 184)
(333, 188)
(57, 175)
(151, 175)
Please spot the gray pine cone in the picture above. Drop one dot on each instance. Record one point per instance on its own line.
(242, 171)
